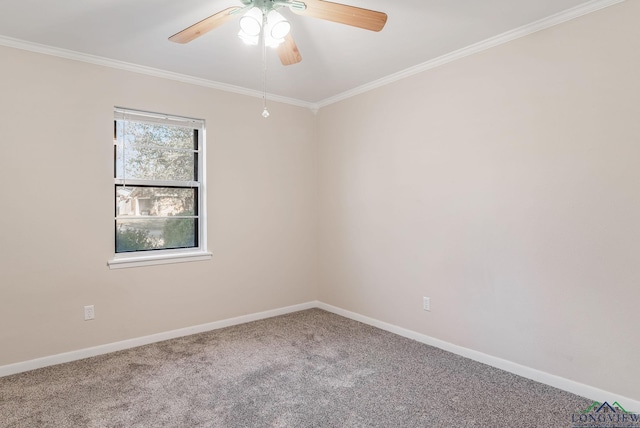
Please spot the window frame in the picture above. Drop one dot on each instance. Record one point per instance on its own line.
(163, 256)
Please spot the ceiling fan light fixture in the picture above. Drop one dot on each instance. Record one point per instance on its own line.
(275, 31)
(277, 26)
(251, 22)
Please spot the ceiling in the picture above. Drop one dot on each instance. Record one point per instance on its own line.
(336, 58)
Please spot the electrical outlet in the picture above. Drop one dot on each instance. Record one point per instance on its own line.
(426, 303)
(89, 313)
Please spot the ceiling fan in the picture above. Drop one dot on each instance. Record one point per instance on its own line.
(260, 18)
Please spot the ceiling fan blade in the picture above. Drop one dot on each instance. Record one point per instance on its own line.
(343, 14)
(204, 26)
(288, 51)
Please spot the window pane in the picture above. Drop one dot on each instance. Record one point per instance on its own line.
(155, 201)
(155, 234)
(155, 152)
(157, 181)
(158, 135)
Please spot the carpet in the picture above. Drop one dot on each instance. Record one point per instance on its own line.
(306, 369)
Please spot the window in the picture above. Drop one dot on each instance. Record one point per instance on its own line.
(158, 188)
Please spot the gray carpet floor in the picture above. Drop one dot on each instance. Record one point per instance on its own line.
(306, 369)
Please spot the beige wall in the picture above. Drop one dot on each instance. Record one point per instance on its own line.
(56, 209)
(506, 187)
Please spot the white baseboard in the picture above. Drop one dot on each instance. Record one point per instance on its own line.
(567, 385)
(573, 387)
(145, 340)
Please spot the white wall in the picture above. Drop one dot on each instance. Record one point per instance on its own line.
(56, 210)
(506, 187)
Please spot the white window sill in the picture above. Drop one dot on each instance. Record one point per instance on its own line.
(157, 259)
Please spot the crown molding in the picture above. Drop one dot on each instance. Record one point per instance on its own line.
(141, 69)
(491, 42)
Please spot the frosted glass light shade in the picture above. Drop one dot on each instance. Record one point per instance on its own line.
(251, 22)
(277, 26)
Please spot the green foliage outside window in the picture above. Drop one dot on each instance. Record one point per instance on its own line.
(133, 240)
(179, 233)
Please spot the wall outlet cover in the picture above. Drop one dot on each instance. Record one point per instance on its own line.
(89, 312)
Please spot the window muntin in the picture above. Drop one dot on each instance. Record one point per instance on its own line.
(157, 182)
